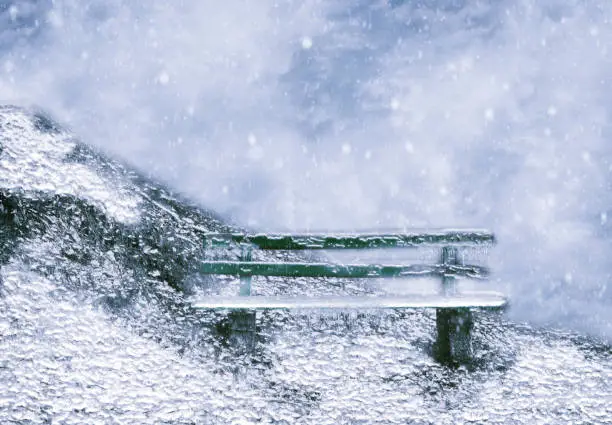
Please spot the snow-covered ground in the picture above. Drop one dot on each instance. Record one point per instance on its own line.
(96, 324)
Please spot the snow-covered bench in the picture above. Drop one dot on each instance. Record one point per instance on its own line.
(453, 309)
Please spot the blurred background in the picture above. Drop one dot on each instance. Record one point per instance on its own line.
(352, 115)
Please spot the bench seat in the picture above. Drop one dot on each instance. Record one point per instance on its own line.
(475, 300)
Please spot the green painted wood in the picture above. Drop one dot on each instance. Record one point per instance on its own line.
(474, 300)
(239, 268)
(449, 256)
(245, 280)
(355, 241)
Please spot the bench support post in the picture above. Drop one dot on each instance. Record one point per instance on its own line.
(454, 325)
(242, 329)
(245, 281)
(243, 321)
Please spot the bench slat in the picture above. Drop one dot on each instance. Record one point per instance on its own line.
(476, 300)
(358, 241)
(239, 268)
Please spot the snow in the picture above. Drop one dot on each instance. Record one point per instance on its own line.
(36, 163)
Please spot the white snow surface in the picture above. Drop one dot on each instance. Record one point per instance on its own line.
(82, 341)
(36, 164)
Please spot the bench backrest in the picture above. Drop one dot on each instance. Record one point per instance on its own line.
(447, 237)
(449, 267)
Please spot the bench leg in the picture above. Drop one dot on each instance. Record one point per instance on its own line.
(242, 322)
(242, 329)
(454, 339)
(454, 325)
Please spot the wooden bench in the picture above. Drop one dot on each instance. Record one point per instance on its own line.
(453, 309)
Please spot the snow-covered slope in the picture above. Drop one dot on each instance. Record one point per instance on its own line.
(97, 263)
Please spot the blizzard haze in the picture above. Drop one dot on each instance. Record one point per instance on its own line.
(347, 115)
